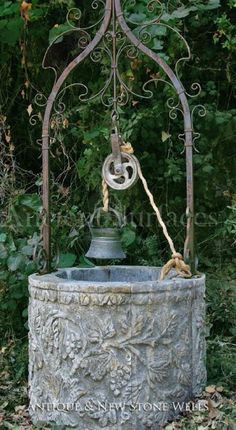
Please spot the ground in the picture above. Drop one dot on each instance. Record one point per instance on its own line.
(219, 414)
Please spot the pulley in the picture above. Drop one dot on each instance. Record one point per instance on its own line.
(120, 169)
(128, 176)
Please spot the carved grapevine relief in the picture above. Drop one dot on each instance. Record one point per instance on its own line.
(89, 355)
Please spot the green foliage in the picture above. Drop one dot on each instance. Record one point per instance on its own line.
(129, 235)
(222, 302)
(18, 238)
(10, 24)
(230, 223)
(221, 357)
(226, 33)
(67, 260)
(57, 30)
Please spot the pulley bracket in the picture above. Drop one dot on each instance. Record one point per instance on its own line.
(115, 144)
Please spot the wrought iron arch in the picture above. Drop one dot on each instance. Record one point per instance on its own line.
(113, 13)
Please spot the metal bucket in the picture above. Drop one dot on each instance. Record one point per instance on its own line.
(105, 244)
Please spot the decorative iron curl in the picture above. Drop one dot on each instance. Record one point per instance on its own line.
(77, 15)
(123, 97)
(59, 105)
(174, 108)
(84, 39)
(201, 111)
(181, 136)
(107, 99)
(196, 136)
(151, 6)
(148, 93)
(195, 87)
(40, 258)
(40, 100)
(108, 39)
(168, 27)
(35, 119)
(83, 97)
(95, 3)
(144, 36)
(131, 52)
(97, 55)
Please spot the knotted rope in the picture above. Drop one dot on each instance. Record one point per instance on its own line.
(176, 262)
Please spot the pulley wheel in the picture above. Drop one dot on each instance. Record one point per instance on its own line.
(124, 180)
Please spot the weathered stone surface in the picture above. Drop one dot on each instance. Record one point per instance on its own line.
(114, 347)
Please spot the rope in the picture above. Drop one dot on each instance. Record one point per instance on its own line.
(176, 262)
(127, 147)
(161, 222)
(105, 194)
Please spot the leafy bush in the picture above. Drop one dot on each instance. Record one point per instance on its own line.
(18, 239)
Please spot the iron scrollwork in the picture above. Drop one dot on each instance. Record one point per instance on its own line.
(113, 36)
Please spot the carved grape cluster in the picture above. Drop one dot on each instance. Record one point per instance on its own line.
(120, 377)
(72, 345)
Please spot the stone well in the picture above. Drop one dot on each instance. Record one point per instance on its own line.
(114, 347)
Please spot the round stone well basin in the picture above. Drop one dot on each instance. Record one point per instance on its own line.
(114, 348)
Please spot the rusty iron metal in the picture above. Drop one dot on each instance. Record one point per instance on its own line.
(46, 129)
(113, 15)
